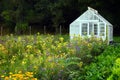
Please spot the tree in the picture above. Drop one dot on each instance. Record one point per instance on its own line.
(7, 14)
(18, 14)
(21, 22)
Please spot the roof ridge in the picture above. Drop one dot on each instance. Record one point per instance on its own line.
(95, 11)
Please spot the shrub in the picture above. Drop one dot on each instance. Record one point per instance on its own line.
(115, 71)
(101, 67)
(48, 56)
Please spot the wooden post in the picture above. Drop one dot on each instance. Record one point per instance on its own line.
(1, 30)
(60, 30)
(30, 30)
(44, 29)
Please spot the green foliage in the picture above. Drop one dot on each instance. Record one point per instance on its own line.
(49, 57)
(115, 71)
(87, 48)
(101, 68)
(7, 15)
(20, 28)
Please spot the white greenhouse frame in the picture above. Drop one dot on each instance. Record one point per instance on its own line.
(91, 23)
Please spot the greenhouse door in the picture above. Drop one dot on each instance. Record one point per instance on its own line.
(95, 25)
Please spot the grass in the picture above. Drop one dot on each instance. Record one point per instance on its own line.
(116, 39)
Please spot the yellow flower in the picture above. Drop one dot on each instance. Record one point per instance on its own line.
(26, 55)
(10, 76)
(26, 78)
(35, 67)
(38, 33)
(29, 46)
(34, 78)
(12, 62)
(10, 73)
(62, 66)
(80, 64)
(14, 78)
(20, 72)
(52, 65)
(29, 74)
(38, 51)
(19, 38)
(19, 76)
(2, 76)
(6, 78)
(23, 62)
(0, 45)
(61, 39)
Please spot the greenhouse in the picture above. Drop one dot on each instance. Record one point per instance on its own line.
(91, 23)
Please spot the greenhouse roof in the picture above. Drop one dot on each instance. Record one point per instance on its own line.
(91, 14)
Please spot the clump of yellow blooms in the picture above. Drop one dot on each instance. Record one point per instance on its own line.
(43, 54)
(29, 47)
(19, 76)
(3, 49)
(61, 39)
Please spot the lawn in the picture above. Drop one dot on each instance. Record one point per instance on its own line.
(117, 39)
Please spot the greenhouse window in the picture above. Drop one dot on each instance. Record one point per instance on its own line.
(84, 29)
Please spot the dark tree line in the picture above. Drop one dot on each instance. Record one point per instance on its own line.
(18, 15)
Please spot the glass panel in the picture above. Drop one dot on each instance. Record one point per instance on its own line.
(95, 17)
(100, 20)
(102, 30)
(111, 32)
(90, 28)
(74, 29)
(84, 29)
(77, 29)
(95, 29)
